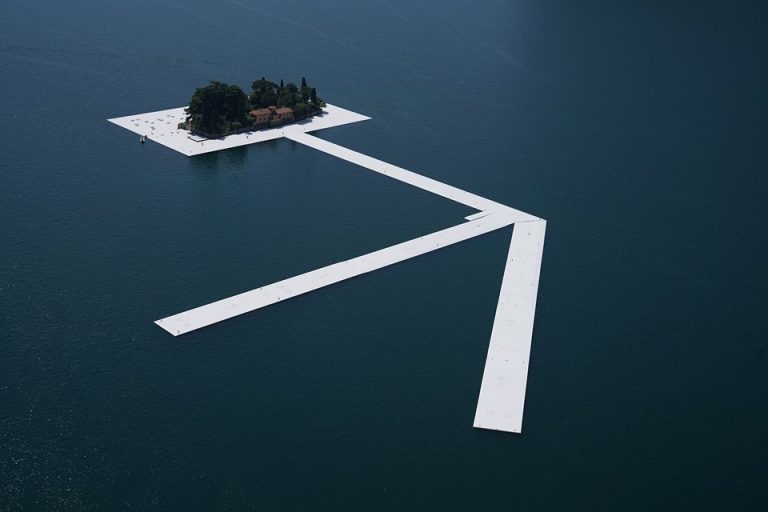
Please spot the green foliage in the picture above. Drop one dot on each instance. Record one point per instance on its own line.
(316, 102)
(300, 110)
(264, 93)
(263, 84)
(215, 107)
(220, 108)
(289, 95)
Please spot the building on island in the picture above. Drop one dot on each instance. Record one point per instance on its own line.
(261, 116)
(271, 116)
(284, 114)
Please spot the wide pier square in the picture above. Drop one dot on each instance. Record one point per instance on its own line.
(163, 127)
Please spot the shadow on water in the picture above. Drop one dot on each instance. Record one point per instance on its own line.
(205, 164)
(236, 158)
(231, 159)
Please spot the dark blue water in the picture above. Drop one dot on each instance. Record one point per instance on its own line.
(637, 130)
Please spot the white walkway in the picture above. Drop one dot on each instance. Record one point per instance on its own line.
(502, 393)
(409, 177)
(325, 276)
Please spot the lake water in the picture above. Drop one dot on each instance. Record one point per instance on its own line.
(637, 131)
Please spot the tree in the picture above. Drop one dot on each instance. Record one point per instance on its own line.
(215, 108)
(300, 110)
(303, 82)
(288, 95)
(316, 103)
(264, 93)
(261, 85)
(268, 98)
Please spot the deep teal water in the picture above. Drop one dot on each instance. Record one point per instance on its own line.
(637, 130)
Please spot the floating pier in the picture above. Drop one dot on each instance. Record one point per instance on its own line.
(163, 127)
(410, 177)
(292, 287)
(502, 390)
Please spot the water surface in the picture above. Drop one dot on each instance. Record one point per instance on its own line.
(636, 130)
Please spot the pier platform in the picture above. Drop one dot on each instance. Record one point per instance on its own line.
(162, 127)
(502, 391)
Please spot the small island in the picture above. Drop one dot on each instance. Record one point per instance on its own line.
(219, 109)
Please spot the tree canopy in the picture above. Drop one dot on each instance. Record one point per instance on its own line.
(219, 108)
(264, 93)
